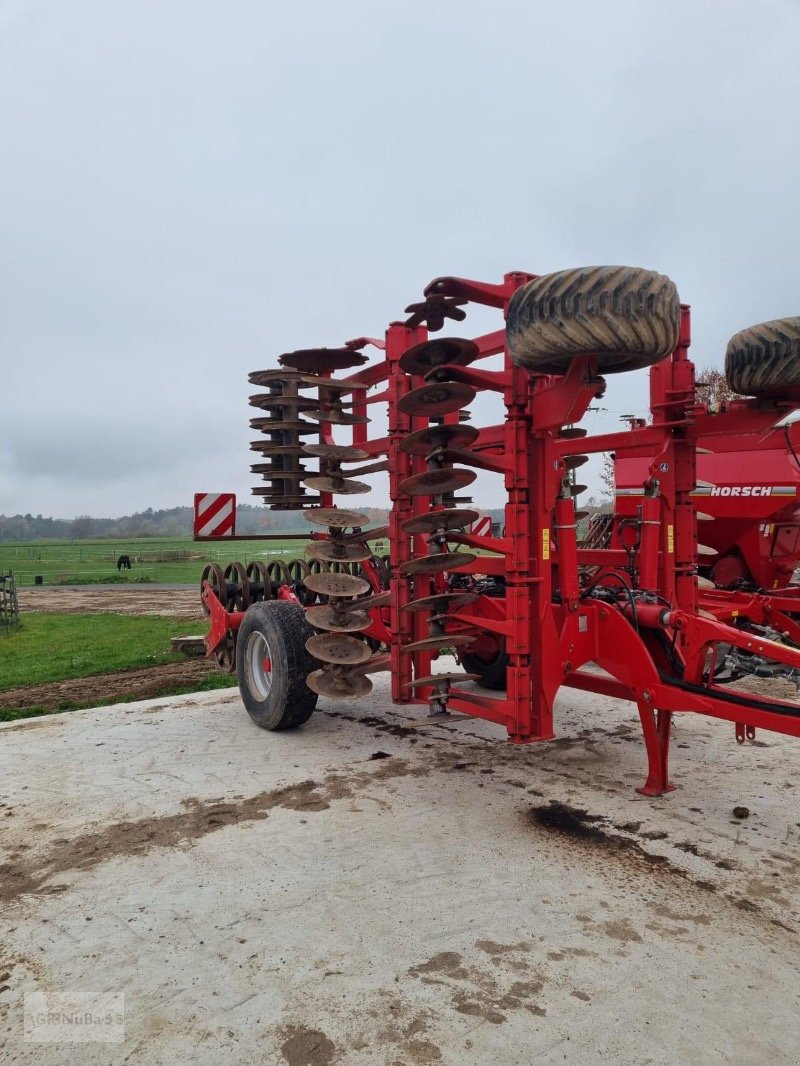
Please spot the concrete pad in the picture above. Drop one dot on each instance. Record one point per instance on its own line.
(179, 886)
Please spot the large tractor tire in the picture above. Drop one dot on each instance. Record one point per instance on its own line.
(765, 359)
(491, 671)
(627, 316)
(272, 665)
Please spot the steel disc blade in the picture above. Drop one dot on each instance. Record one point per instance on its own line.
(580, 515)
(268, 401)
(441, 603)
(332, 385)
(282, 475)
(263, 468)
(434, 564)
(288, 425)
(335, 621)
(704, 583)
(438, 680)
(370, 468)
(336, 584)
(571, 432)
(447, 518)
(572, 462)
(339, 685)
(436, 482)
(700, 484)
(280, 444)
(380, 599)
(439, 398)
(320, 360)
(337, 417)
(342, 452)
(377, 533)
(703, 517)
(271, 447)
(338, 649)
(704, 549)
(429, 354)
(341, 485)
(454, 455)
(424, 441)
(434, 309)
(335, 552)
(273, 425)
(576, 490)
(445, 640)
(270, 378)
(336, 517)
(280, 491)
(265, 446)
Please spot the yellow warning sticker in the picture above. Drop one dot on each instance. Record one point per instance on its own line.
(670, 539)
(545, 543)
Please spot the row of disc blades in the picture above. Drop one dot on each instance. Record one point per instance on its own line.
(298, 400)
(447, 391)
(441, 445)
(346, 658)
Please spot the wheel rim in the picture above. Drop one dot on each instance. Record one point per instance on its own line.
(258, 663)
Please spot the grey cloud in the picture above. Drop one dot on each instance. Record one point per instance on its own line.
(190, 188)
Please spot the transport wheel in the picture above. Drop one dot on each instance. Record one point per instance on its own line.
(272, 665)
(764, 359)
(627, 316)
(490, 670)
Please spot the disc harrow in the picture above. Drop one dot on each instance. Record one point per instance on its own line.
(524, 605)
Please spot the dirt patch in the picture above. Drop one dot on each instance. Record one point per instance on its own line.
(26, 873)
(307, 1047)
(121, 599)
(141, 684)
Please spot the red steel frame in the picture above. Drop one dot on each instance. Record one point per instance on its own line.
(656, 650)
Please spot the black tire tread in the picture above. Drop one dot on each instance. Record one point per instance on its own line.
(291, 625)
(630, 317)
(492, 673)
(764, 359)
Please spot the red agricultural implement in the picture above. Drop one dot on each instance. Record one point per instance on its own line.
(529, 609)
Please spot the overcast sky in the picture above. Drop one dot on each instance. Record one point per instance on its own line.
(190, 188)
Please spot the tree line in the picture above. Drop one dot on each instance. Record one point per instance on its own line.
(171, 522)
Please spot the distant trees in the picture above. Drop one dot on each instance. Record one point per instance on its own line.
(171, 522)
(712, 386)
(82, 528)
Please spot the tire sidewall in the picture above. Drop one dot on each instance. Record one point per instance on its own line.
(261, 619)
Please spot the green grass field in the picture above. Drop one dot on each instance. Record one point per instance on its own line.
(172, 560)
(57, 647)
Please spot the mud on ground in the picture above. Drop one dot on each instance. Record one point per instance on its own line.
(143, 683)
(181, 602)
(140, 684)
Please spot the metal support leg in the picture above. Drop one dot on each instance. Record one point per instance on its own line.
(656, 726)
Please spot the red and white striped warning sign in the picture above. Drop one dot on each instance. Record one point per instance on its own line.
(214, 514)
